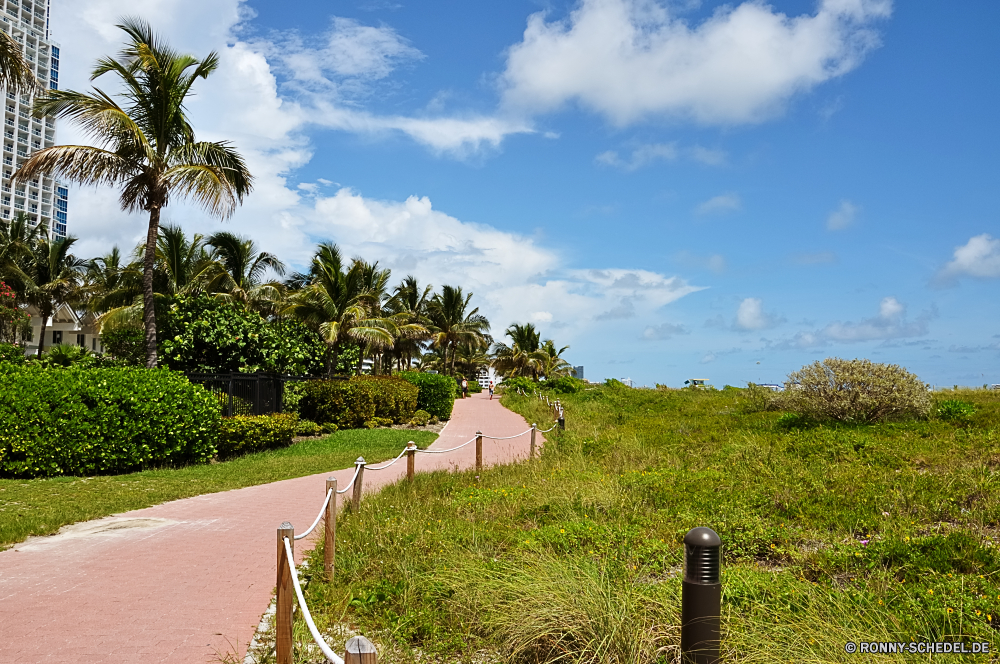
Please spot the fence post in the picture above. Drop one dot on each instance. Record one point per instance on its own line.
(479, 451)
(330, 529)
(411, 459)
(701, 597)
(531, 452)
(562, 420)
(283, 601)
(360, 465)
(360, 650)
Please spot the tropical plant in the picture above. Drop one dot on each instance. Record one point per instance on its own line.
(452, 321)
(147, 145)
(524, 356)
(240, 272)
(51, 278)
(409, 304)
(17, 241)
(15, 70)
(13, 318)
(553, 365)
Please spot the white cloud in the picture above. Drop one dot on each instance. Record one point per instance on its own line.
(630, 59)
(890, 323)
(751, 315)
(978, 258)
(644, 155)
(720, 204)
(842, 217)
(663, 331)
(708, 156)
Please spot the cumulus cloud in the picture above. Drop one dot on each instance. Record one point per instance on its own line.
(751, 316)
(720, 204)
(978, 258)
(842, 217)
(663, 331)
(631, 59)
(891, 323)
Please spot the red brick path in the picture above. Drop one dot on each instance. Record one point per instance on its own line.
(188, 580)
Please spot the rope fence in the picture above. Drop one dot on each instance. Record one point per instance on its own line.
(358, 650)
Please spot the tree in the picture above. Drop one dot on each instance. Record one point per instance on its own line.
(553, 365)
(15, 70)
(51, 279)
(524, 357)
(409, 303)
(452, 321)
(147, 146)
(240, 272)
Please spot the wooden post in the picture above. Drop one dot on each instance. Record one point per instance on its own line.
(479, 451)
(360, 650)
(360, 465)
(531, 452)
(283, 601)
(330, 528)
(411, 460)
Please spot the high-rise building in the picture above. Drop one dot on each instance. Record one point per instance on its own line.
(43, 199)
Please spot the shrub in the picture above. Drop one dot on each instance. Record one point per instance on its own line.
(515, 383)
(855, 391)
(243, 434)
(74, 421)
(66, 355)
(956, 410)
(376, 422)
(12, 354)
(420, 418)
(564, 385)
(308, 428)
(437, 392)
(474, 387)
(292, 396)
(352, 403)
(757, 399)
(126, 344)
(14, 321)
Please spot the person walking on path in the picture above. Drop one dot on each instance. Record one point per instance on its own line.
(491, 390)
(465, 389)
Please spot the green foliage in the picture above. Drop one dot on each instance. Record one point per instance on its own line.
(956, 410)
(203, 335)
(474, 387)
(513, 384)
(13, 318)
(420, 418)
(12, 354)
(757, 399)
(858, 391)
(353, 403)
(292, 396)
(437, 392)
(564, 385)
(66, 355)
(378, 422)
(308, 428)
(63, 421)
(243, 434)
(127, 344)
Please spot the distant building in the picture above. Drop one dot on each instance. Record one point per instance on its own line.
(578, 372)
(696, 382)
(65, 327)
(625, 381)
(774, 387)
(487, 376)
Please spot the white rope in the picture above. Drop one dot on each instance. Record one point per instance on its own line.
(317, 637)
(549, 429)
(319, 516)
(388, 464)
(508, 437)
(357, 469)
(444, 451)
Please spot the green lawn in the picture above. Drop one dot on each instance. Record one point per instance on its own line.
(831, 533)
(42, 506)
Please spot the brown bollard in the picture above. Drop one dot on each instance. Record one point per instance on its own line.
(356, 502)
(330, 529)
(283, 600)
(531, 452)
(360, 650)
(701, 597)
(479, 451)
(411, 460)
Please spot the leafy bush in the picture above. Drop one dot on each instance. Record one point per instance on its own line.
(757, 399)
(564, 385)
(523, 383)
(308, 428)
(291, 397)
(66, 355)
(350, 404)
(376, 422)
(855, 391)
(243, 434)
(12, 354)
(420, 418)
(437, 392)
(74, 421)
(474, 387)
(126, 344)
(956, 410)
(14, 321)
(202, 334)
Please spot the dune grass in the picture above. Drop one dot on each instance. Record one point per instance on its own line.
(832, 534)
(42, 506)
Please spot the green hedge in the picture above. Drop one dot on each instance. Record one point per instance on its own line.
(243, 434)
(351, 403)
(74, 421)
(437, 392)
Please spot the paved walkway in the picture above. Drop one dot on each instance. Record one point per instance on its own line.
(188, 581)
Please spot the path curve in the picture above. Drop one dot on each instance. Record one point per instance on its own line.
(187, 581)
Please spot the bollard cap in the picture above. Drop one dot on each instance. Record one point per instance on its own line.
(361, 460)
(702, 537)
(702, 556)
(411, 445)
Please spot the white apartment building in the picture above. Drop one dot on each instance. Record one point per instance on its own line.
(44, 199)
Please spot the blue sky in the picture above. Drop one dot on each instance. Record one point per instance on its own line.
(674, 189)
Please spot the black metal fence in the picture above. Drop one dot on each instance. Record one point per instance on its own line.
(244, 393)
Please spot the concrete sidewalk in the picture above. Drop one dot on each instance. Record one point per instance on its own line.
(187, 581)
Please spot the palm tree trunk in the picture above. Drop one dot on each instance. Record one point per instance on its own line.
(41, 335)
(148, 301)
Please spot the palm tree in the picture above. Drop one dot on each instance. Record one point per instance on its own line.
(147, 147)
(452, 322)
(18, 238)
(523, 357)
(336, 302)
(554, 365)
(15, 70)
(52, 278)
(243, 268)
(409, 304)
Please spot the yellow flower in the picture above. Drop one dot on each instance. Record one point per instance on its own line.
(880, 602)
(562, 530)
(949, 611)
(931, 592)
(858, 555)
(978, 613)
(906, 539)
